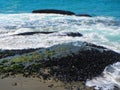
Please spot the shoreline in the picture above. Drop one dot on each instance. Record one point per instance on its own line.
(24, 83)
(19, 82)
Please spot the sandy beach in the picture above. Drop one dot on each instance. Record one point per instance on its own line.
(22, 83)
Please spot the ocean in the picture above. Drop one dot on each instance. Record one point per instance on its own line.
(101, 29)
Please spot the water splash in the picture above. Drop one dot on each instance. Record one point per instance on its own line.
(109, 80)
(103, 31)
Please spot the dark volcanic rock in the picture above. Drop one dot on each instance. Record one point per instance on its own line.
(75, 61)
(63, 12)
(72, 34)
(54, 11)
(80, 63)
(69, 62)
(83, 15)
(31, 33)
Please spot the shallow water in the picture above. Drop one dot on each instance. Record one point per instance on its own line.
(92, 7)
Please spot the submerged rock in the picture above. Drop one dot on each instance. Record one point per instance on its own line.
(54, 11)
(83, 15)
(71, 34)
(31, 33)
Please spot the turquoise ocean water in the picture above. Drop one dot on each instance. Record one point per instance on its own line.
(93, 7)
(101, 29)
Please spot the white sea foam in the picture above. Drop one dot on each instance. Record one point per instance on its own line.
(109, 80)
(99, 30)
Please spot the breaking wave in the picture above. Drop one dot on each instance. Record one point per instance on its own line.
(110, 80)
(98, 30)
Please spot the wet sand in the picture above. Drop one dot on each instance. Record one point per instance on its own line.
(22, 83)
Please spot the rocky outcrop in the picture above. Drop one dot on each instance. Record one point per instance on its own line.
(63, 12)
(69, 62)
(76, 63)
(71, 34)
(53, 11)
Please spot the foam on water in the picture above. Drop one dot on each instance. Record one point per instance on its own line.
(109, 80)
(98, 30)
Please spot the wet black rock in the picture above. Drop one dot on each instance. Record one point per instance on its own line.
(76, 63)
(72, 34)
(63, 12)
(54, 11)
(83, 15)
(31, 33)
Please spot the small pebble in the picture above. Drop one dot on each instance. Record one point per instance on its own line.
(14, 84)
(50, 85)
